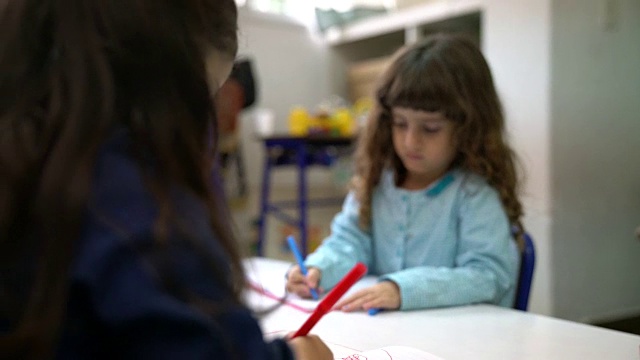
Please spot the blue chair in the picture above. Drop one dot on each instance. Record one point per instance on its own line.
(527, 264)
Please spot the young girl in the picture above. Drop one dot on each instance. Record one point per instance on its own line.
(113, 242)
(434, 199)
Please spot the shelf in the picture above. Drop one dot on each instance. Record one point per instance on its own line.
(402, 20)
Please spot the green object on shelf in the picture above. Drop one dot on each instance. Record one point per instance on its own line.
(328, 18)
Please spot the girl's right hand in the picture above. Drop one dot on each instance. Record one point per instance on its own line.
(310, 347)
(301, 285)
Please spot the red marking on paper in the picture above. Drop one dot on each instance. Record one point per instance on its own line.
(362, 357)
(390, 357)
(270, 333)
(259, 289)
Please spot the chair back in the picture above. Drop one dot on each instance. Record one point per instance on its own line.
(525, 277)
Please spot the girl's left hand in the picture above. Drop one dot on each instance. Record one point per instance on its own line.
(383, 295)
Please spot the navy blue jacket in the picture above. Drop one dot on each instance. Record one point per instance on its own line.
(118, 306)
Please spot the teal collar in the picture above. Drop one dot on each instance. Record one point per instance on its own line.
(442, 184)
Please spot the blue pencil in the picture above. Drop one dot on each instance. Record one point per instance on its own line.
(300, 260)
(374, 311)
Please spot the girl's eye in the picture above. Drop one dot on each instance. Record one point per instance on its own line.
(431, 129)
(399, 124)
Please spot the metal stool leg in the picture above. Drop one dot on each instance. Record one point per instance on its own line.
(264, 202)
(240, 171)
(302, 195)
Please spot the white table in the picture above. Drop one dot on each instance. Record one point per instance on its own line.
(469, 332)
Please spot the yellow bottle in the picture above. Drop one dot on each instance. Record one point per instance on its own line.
(298, 121)
(344, 122)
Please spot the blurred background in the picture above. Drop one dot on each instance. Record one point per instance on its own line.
(568, 73)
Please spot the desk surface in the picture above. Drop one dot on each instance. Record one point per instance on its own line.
(469, 332)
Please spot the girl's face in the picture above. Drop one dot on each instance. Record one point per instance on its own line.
(424, 142)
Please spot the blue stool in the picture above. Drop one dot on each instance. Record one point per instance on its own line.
(302, 152)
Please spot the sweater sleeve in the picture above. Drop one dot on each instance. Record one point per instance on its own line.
(139, 319)
(347, 245)
(485, 263)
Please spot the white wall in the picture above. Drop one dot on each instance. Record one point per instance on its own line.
(570, 91)
(595, 160)
(291, 68)
(515, 40)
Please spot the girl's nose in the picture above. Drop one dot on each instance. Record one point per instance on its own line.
(412, 138)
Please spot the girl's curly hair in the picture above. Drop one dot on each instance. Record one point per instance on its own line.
(445, 73)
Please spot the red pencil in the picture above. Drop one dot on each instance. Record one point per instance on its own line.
(332, 297)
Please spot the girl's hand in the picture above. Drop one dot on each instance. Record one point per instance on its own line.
(383, 295)
(299, 284)
(310, 347)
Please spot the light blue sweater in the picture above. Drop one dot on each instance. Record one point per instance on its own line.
(447, 245)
